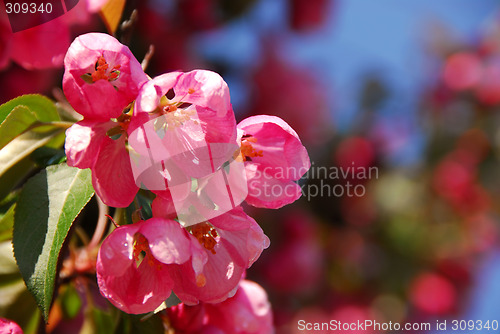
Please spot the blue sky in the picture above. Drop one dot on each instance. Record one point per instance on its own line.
(360, 37)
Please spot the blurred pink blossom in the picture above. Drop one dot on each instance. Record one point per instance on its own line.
(433, 293)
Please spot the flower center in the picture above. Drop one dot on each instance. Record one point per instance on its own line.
(176, 116)
(102, 72)
(142, 252)
(246, 148)
(206, 235)
(123, 121)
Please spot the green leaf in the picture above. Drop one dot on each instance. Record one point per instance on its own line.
(43, 108)
(24, 145)
(46, 156)
(18, 121)
(6, 224)
(71, 302)
(47, 206)
(17, 115)
(15, 162)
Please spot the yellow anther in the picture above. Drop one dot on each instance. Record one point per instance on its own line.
(247, 149)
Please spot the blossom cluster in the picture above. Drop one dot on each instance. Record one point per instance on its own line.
(174, 135)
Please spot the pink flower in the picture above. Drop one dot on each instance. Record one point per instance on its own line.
(274, 158)
(132, 263)
(101, 76)
(9, 327)
(248, 312)
(233, 242)
(181, 135)
(203, 262)
(88, 145)
(199, 95)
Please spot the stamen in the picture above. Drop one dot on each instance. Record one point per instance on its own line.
(247, 149)
(124, 121)
(142, 252)
(175, 117)
(206, 235)
(101, 72)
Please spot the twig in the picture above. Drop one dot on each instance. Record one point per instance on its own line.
(101, 223)
(147, 57)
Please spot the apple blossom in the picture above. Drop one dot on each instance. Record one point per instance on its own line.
(274, 158)
(139, 265)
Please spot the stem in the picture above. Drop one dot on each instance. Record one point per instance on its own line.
(60, 124)
(101, 223)
(82, 235)
(118, 216)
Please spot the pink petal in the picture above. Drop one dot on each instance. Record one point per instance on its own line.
(152, 91)
(248, 312)
(112, 176)
(83, 142)
(217, 128)
(266, 191)
(243, 232)
(168, 241)
(221, 274)
(139, 290)
(185, 318)
(116, 252)
(283, 156)
(163, 206)
(205, 89)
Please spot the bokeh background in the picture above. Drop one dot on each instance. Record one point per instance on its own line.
(411, 88)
